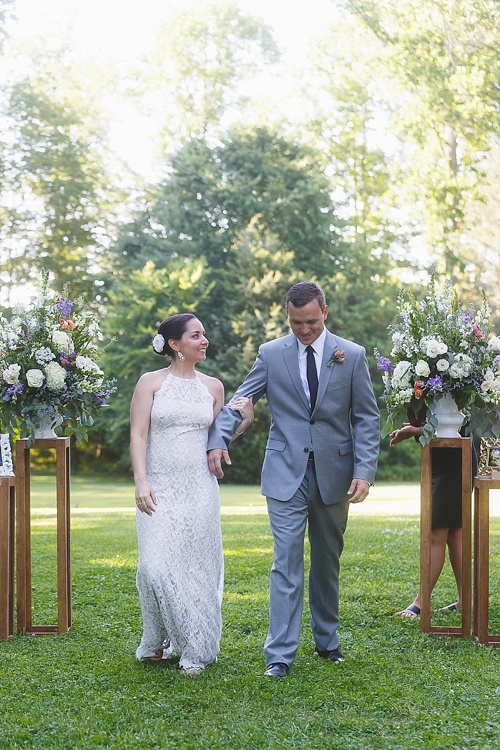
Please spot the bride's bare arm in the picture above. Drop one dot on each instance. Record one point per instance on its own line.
(140, 416)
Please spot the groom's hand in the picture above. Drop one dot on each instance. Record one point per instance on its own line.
(358, 490)
(215, 457)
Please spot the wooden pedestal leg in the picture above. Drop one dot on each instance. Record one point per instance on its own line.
(24, 613)
(7, 515)
(481, 562)
(425, 539)
(23, 538)
(63, 539)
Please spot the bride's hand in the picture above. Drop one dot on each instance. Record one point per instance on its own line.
(145, 497)
(244, 406)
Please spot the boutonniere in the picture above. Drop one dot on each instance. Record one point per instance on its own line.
(338, 356)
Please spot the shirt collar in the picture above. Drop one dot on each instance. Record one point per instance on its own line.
(317, 345)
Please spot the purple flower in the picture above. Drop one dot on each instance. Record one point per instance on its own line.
(422, 304)
(101, 397)
(385, 364)
(434, 385)
(13, 392)
(64, 306)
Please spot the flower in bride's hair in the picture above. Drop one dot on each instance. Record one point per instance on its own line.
(158, 343)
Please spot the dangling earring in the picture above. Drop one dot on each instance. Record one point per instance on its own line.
(181, 356)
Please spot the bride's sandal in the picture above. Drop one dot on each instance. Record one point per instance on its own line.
(161, 654)
(158, 656)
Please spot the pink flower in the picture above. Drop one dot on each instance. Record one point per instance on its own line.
(417, 388)
(477, 332)
(338, 356)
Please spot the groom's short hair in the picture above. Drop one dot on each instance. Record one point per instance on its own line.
(304, 292)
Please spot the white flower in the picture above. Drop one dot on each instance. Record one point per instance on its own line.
(55, 376)
(34, 378)
(442, 365)
(489, 378)
(402, 372)
(38, 301)
(422, 369)
(461, 367)
(86, 385)
(61, 340)
(11, 374)
(158, 343)
(434, 348)
(494, 344)
(404, 396)
(490, 387)
(85, 364)
(43, 355)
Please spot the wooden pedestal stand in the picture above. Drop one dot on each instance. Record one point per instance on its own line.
(23, 537)
(482, 487)
(7, 507)
(463, 444)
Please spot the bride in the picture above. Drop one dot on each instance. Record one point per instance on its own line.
(180, 572)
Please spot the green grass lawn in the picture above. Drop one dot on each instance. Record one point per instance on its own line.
(397, 689)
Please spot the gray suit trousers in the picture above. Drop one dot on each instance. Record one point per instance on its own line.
(326, 526)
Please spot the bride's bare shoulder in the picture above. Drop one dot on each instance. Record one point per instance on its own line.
(213, 384)
(152, 380)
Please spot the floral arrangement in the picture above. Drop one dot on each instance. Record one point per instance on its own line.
(438, 347)
(48, 369)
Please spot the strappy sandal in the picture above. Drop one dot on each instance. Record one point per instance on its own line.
(411, 611)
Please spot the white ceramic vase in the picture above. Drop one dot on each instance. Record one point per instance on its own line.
(449, 418)
(45, 430)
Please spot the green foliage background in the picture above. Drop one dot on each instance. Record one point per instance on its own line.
(382, 172)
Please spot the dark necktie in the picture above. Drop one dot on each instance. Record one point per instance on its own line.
(312, 375)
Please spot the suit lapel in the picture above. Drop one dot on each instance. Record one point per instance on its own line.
(326, 372)
(290, 355)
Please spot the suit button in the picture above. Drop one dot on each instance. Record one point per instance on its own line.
(311, 421)
(306, 450)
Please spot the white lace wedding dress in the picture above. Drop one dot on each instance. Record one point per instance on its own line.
(180, 573)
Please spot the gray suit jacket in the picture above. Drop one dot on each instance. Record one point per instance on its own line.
(343, 430)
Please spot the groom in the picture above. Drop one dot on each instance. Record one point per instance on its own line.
(321, 456)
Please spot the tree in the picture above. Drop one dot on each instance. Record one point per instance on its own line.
(6, 12)
(137, 303)
(55, 170)
(445, 56)
(254, 213)
(193, 75)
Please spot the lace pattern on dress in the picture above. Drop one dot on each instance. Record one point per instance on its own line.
(180, 573)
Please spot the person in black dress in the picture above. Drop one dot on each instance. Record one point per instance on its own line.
(446, 493)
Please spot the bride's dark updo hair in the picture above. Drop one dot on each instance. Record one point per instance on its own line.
(172, 328)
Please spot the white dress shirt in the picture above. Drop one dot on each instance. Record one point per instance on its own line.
(318, 347)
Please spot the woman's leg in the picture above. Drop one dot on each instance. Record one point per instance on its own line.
(438, 552)
(454, 542)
